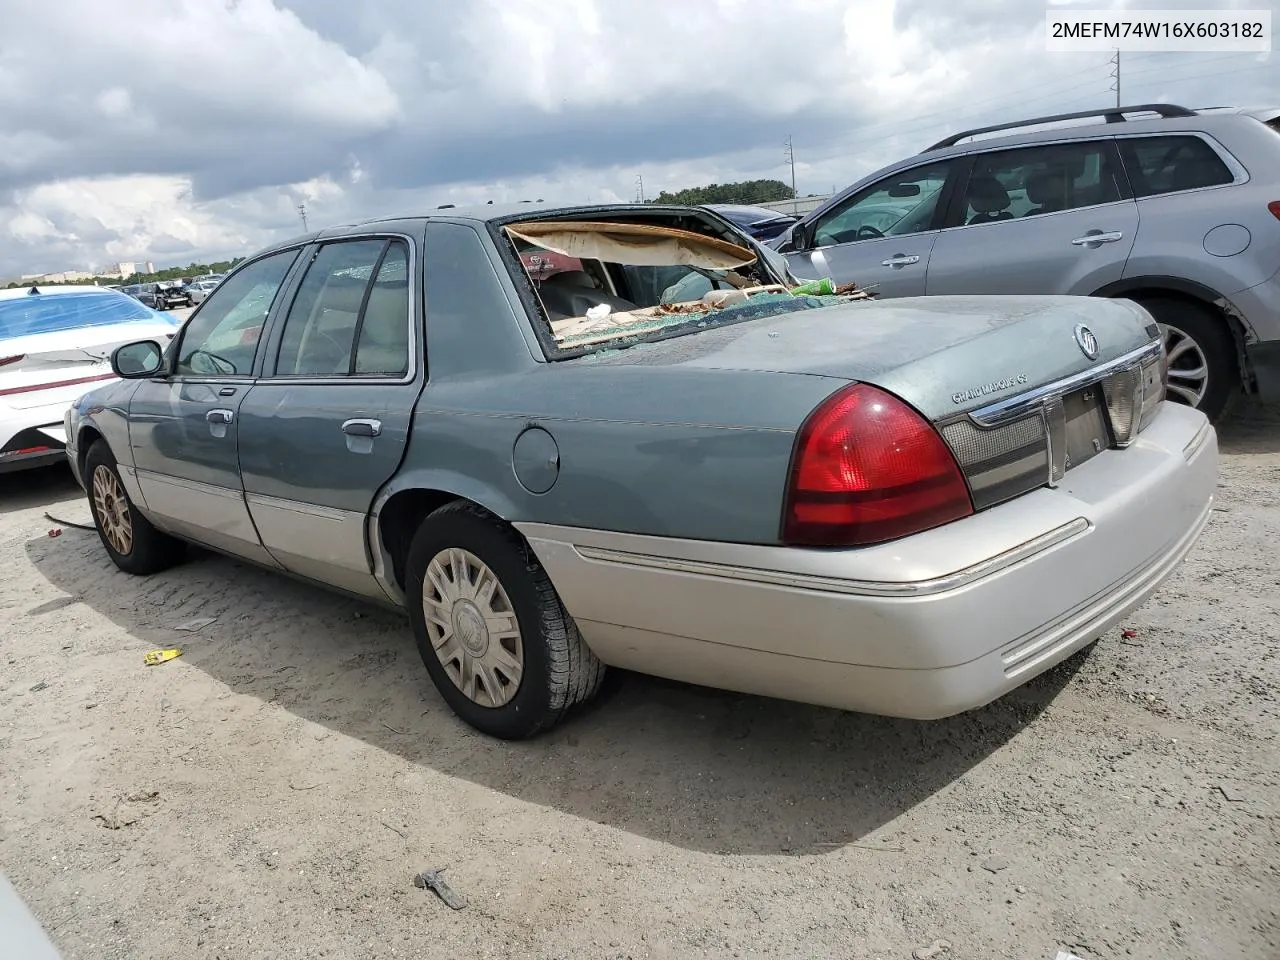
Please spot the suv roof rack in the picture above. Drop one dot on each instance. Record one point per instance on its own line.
(1113, 115)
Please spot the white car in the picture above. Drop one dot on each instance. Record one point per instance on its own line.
(56, 344)
(199, 289)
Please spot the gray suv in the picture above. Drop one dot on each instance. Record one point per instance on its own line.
(1176, 209)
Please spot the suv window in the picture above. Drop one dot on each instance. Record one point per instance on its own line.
(1030, 181)
(351, 313)
(222, 336)
(895, 206)
(1166, 164)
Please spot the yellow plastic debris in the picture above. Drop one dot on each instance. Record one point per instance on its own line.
(156, 657)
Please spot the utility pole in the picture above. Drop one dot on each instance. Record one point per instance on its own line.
(791, 162)
(639, 188)
(1115, 62)
(302, 212)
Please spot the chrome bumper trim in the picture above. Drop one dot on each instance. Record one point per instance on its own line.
(865, 588)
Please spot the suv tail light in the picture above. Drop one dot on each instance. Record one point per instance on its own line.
(868, 468)
(1274, 207)
(5, 361)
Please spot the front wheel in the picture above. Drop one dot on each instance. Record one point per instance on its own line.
(491, 630)
(133, 544)
(1203, 372)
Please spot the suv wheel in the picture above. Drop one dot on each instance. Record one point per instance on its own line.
(501, 649)
(1202, 362)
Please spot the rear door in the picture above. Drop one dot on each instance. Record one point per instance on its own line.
(880, 237)
(183, 427)
(1052, 219)
(327, 423)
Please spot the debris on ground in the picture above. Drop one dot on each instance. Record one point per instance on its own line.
(42, 685)
(935, 949)
(157, 657)
(1128, 633)
(995, 864)
(199, 623)
(55, 532)
(67, 523)
(1230, 793)
(431, 880)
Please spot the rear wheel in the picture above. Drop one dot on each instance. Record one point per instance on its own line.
(1203, 372)
(133, 544)
(491, 630)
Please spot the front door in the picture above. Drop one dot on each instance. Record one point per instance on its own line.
(327, 424)
(881, 237)
(183, 426)
(1053, 219)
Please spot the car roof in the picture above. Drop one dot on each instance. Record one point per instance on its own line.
(486, 214)
(45, 291)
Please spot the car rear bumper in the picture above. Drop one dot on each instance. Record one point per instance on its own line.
(925, 627)
(32, 438)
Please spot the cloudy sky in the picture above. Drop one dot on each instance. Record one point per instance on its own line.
(172, 130)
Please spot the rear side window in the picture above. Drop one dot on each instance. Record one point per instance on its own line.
(1029, 181)
(351, 313)
(1168, 164)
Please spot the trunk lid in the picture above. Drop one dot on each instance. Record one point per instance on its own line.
(943, 355)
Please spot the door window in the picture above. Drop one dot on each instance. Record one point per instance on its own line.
(1167, 164)
(896, 206)
(351, 314)
(222, 337)
(1031, 181)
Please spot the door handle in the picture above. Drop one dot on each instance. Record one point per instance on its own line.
(220, 416)
(362, 428)
(1098, 237)
(900, 260)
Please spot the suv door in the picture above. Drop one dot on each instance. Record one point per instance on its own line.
(183, 426)
(880, 237)
(327, 424)
(1051, 219)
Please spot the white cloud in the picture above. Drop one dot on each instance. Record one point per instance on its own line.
(193, 127)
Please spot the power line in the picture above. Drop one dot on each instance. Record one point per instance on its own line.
(302, 212)
(1116, 76)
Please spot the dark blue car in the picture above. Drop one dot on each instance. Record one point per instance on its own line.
(760, 223)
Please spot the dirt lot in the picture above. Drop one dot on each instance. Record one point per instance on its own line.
(271, 793)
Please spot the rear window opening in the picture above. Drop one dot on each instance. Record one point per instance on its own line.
(613, 282)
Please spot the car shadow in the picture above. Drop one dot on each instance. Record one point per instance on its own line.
(680, 764)
(40, 487)
(1250, 428)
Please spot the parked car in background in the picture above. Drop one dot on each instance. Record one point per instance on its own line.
(197, 290)
(1179, 211)
(759, 223)
(907, 507)
(56, 343)
(160, 295)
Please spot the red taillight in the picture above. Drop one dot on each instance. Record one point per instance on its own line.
(868, 468)
(5, 361)
(1274, 207)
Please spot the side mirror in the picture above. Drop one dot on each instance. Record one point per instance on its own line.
(134, 361)
(800, 238)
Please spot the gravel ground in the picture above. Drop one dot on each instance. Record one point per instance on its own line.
(272, 793)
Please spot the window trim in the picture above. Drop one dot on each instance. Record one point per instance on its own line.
(945, 197)
(956, 210)
(417, 343)
(1239, 173)
(173, 374)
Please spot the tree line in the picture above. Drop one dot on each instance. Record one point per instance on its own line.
(745, 191)
(168, 273)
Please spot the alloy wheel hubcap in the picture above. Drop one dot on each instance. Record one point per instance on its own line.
(472, 627)
(1188, 367)
(111, 508)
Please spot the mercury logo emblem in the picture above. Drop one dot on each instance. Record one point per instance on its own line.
(1087, 342)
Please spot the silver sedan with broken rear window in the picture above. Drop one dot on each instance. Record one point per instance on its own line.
(658, 456)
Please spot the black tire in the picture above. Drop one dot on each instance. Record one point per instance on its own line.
(559, 670)
(1208, 331)
(149, 550)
